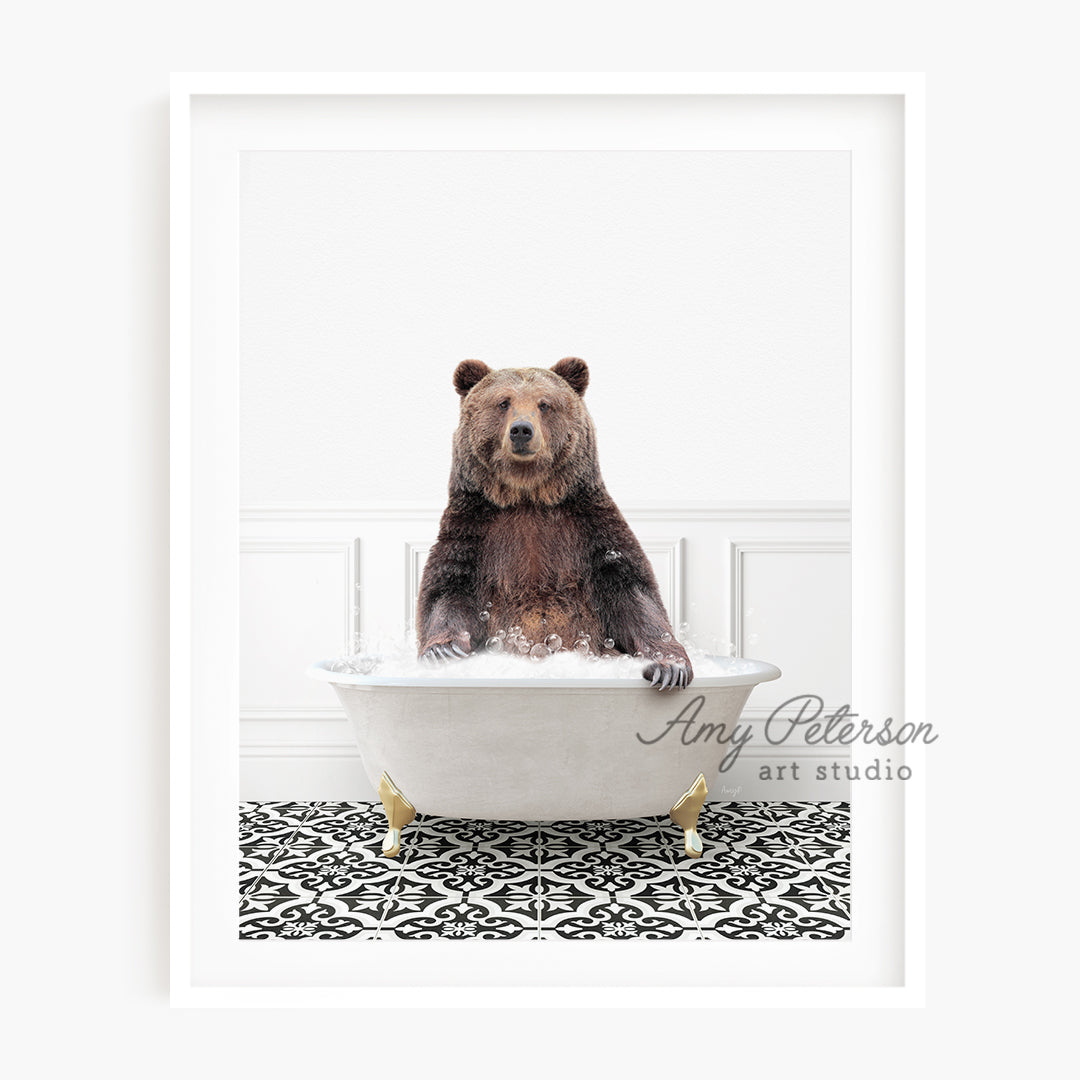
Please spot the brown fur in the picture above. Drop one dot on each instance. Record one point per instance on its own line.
(533, 538)
(564, 443)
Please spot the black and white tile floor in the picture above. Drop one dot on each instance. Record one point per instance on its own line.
(770, 870)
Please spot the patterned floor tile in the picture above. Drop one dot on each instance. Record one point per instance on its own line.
(769, 870)
(512, 842)
(345, 822)
(559, 843)
(329, 871)
(828, 819)
(624, 915)
(608, 870)
(518, 899)
(461, 919)
(263, 916)
(423, 906)
(754, 845)
(824, 895)
(464, 879)
(266, 829)
(468, 870)
(624, 840)
(468, 830)
(737, 869)
(270, 816)
(768, 918)
(259, 852)
(559, 899)
(611, 879)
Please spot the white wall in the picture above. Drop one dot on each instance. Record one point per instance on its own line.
(709, 292)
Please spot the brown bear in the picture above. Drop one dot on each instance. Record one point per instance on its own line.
(531, 543)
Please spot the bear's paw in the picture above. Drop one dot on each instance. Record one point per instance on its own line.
(439, 652)
(668, 675)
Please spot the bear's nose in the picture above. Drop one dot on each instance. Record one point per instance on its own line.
(521, 433)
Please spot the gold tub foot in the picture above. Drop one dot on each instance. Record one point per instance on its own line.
(685, 814)
(399, 812)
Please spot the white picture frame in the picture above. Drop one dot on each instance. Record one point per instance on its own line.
(881, 962)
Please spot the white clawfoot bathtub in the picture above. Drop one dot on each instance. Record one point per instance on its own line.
(542, 749)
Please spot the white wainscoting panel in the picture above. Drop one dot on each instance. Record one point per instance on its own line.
(791, 605)
(771, 579)
(299, 600)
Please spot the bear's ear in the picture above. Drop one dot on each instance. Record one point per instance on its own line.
(575, 372)
(468, 374)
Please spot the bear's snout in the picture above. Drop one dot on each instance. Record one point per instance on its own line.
(521, 436)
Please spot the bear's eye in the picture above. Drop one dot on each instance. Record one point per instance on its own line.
(544, 406)
(504, 405)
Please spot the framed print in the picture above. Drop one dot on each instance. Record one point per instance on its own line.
(706, 287)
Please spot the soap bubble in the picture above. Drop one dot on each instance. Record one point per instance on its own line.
(612, 555)
(497, 655)
(355, 665)
(665, 636)
(485, 615)
(609, 643)
(553, 642)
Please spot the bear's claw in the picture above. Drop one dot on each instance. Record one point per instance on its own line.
(674, 676)
(443, 651)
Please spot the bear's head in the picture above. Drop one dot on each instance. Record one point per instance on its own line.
(524, 434)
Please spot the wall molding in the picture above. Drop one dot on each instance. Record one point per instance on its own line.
(299, 545)
(761, 510)
(738, 547)
(334, 770)
(291, 748)
(751, 714)
(416, 553)
(674, 552)
(303, 713)
(349, 550)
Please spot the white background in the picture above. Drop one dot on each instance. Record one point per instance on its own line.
(709, 293)
(85, 443)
